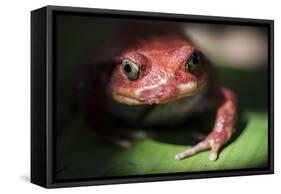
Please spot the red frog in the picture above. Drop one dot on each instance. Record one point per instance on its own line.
(173, 77)
(148, 75)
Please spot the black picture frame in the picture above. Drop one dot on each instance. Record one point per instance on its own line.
(43, 100)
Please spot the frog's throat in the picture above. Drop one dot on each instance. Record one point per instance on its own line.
(128, 96)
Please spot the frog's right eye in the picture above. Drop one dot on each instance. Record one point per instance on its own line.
(192, 63)
(130, 69)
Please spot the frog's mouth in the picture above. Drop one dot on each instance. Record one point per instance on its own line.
(155, 95)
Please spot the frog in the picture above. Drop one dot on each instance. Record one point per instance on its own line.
(162, 72)
(159, 80)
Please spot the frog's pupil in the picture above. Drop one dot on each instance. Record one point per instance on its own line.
(192, 65)
(193, 61)
(195, 58)
(127, 68)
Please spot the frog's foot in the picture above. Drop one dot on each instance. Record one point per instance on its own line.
(134, 134)
(222, 130)
(123, 138)
(202, 146)
(122, 143)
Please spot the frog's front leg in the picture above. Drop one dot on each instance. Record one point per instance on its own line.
(222, 129)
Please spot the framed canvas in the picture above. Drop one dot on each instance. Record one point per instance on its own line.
(125, 96)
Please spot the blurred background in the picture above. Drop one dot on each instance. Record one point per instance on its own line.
(240, 55)
(242, 47)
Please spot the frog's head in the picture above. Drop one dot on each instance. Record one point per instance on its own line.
(157, 71)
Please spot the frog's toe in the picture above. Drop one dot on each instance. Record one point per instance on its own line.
(214, 152)
(134, 134)
(192, 151)
(140, 134)
(122, 143)
(202, 146)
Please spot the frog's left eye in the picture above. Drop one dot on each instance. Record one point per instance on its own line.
(130, 69)
(192, 62)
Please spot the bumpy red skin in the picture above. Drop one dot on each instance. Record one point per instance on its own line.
(162, 63)
(225, 118)
(223, 127)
